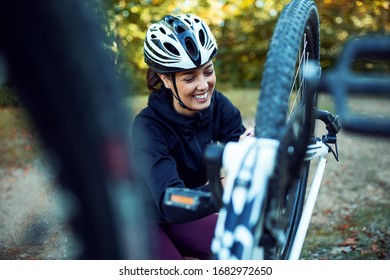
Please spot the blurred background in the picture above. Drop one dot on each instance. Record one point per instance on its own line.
(242, 28)
(351, 220)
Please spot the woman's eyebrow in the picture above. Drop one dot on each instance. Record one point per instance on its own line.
(190, 72)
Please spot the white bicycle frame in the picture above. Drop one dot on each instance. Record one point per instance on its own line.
(258, 155)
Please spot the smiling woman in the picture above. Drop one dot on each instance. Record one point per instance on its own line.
(193, 88)
(185, 113)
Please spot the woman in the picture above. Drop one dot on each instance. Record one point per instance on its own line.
(184, 114)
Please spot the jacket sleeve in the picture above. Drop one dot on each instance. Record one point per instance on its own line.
(230, 120)
(158, 170)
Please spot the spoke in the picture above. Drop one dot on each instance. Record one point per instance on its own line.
(300, 63)
(303, 60)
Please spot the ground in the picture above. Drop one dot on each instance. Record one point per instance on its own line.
(351, 219)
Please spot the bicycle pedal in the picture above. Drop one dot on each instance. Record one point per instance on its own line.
(187, 198)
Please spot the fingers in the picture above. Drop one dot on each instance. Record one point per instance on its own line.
(250, 132)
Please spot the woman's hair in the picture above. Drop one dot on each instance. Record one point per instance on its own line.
(153, 81)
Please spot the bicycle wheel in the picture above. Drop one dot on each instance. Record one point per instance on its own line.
(285, 113)
(68, 83)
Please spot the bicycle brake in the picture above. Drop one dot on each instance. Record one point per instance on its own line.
(333, 127)
(331, 122)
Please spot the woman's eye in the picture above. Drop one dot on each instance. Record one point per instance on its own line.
(188, 79)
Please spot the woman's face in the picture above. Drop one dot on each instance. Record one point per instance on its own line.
(195, 88)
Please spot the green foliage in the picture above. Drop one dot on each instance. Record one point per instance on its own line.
(243, 30)
(341, 20)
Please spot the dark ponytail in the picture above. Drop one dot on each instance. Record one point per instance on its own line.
(153, 81)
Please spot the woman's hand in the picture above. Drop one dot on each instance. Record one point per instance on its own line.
(250, 132)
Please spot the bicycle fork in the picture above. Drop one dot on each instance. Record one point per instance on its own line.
(318, 149)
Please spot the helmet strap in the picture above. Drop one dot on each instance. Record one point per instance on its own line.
(177, 97)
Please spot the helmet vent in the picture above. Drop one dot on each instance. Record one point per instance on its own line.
(162, 30)
(171, 48)
(202, 37)
(191, 47)
(179, 29)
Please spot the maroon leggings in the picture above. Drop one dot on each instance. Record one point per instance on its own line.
(186, 240)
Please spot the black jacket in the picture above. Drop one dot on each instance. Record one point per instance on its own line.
(168, 147)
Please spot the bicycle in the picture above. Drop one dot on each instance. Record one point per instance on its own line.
(263, 212)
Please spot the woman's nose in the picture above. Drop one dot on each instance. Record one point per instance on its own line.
(202, 83)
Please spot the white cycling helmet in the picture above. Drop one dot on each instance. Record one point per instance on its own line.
(178, 43)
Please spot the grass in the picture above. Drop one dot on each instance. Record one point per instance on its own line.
(361, 235)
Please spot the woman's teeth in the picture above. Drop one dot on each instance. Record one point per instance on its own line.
(203, 96)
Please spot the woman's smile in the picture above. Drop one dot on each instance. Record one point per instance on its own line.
(202, 97)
